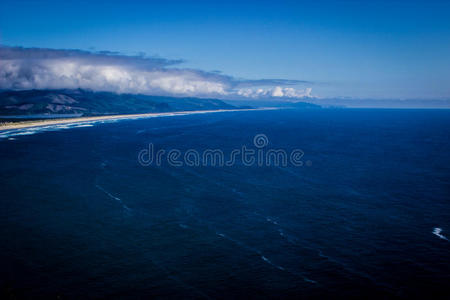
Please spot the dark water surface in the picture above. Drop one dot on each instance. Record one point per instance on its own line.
(81, 218)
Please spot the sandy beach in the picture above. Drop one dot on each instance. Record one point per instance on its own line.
(80, 120)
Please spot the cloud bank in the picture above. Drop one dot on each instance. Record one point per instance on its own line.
(40, 68)
(277, 91)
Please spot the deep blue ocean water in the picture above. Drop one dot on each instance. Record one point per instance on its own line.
(368, 216)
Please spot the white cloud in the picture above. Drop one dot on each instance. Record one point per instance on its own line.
(37, 68)
(62, 73)
(275, 92)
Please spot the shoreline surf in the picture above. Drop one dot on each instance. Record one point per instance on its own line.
(80, 120)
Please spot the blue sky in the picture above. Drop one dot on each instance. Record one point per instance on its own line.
(363, 49)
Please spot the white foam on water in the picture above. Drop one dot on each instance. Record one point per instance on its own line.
(264, 258)
(114, 197)
(33, 130)
(272, 264)
(306, 279)
(27, 132)
(272, 221)
(83, 125)
(309, 280)
(252, 250)
(437, 232)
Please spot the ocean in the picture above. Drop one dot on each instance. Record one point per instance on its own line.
(362, 212)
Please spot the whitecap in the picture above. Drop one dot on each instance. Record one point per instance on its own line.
(437, 232)
(272, 221)
(114, 197)
(28, 132)
(83, 125)
(271, 263)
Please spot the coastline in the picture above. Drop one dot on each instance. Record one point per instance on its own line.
(81, 120)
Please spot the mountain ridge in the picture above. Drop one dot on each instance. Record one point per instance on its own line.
(91, 103)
